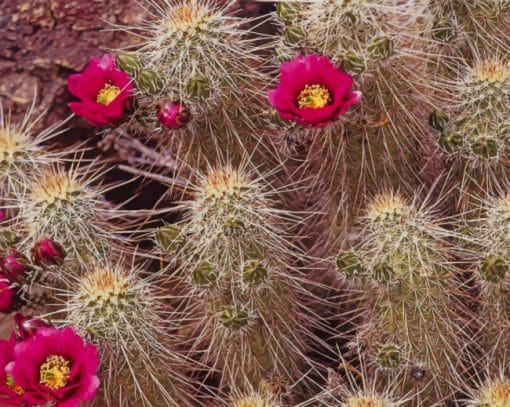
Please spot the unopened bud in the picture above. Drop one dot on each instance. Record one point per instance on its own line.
(198, 87)
(173, 115)
(129, 62)
(48, 252)
(149, 81)
(14, 265)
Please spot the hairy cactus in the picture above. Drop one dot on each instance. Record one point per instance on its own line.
(199, 55)
(22, 153)
(474, 127)
(245, 299)
(126, 316)
(413, 320)
(380, 45)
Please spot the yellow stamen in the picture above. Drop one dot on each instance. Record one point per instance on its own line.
(13, 386)
(108, 94)
(314, 96)
(55, 372)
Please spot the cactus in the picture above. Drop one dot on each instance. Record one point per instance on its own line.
(244, 296)
(125, 314)
(415, 320)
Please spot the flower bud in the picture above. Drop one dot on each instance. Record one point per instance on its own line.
(129, 62)
(2, 215)
(288, 10)
(293, 34)
(450, 142)
(380, 47)
(170, 239)
(389, 356)
(198, 87)
(276, 119)
(349, 264)
(353, 62)
(444, 29)
(493, 269)
(438, 120)
(28, 327)
(485, 148)
(14, 265)
(383, 272)
(7, 294)
(149, 81)
(48, 252)
(204, 274)
(173, 115)
(254, 272)
(234, 317)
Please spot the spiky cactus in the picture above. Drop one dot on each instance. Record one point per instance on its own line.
(67, 206)
(381, 45)
(474, 127)
(129, 318)
(414, 329)
(245, 300)
(494, 393)
(199, 55)
(492, 259)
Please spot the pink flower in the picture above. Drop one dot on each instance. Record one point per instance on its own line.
(14, 265)
(173, 115)
(312, 91)
(104, 91)
(10, 393)
(47, 252)
(55, 365)
(7, 294)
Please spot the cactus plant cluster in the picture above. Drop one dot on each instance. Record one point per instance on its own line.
(332, 225)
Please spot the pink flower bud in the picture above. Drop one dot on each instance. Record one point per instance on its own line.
(7, 294)
(28, 327)
(47, 252)
(173, 115)
(14, 265)
(2, 215)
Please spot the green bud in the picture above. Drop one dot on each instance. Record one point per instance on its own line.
(170, 239)
(438, 120)
(349, 264)
(9, 237)
(234, 317)
(276, 119)
(198, 87)
(288, 10)
(234, 228)
(450, 142)
(383, 272)
(129, 62)
(444, 29)
(204, 274)
(149, 81)
(350, 17)
(493, 269)
(254, 272)
(485, 147)
(389, 356)
(380, 47)
(293, 34)
(353, 62)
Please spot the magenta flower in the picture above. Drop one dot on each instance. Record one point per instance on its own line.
(55, 365)
(28, 327)
(173, 115)
(47, 252)
(104, 91)
(10, 393)
(7, 294)
(14, 265)
(312, 91)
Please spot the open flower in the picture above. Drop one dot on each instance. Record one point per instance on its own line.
(104, 91)
(10, 393)
(312, 91)
(7, 294)
(55, 365)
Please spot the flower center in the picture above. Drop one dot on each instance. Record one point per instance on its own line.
(314, 96)
(11, 384)
(108, 94)
(55, 372)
